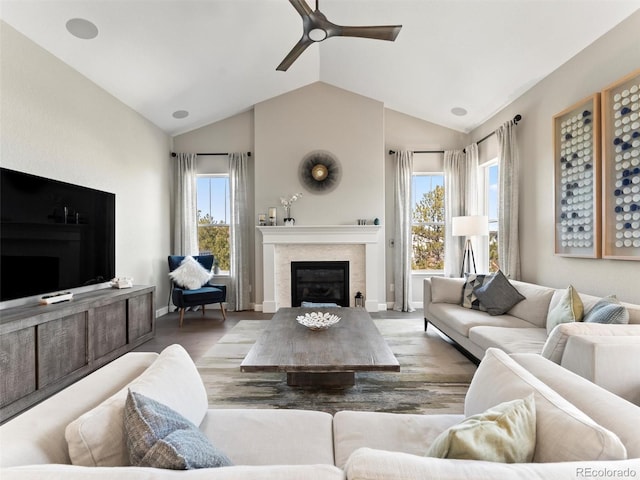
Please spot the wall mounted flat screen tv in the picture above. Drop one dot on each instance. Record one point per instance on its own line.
(54, 236)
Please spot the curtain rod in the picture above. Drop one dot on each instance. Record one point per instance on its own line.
(516, 119)
(173, 154)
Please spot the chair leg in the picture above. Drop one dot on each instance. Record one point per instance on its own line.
(203, 310)
(224, 314)
(181, 316)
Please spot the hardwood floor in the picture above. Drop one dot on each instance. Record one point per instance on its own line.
(199, 333)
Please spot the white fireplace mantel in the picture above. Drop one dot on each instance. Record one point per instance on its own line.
(367, 235)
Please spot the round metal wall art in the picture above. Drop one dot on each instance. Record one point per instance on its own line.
(320, 171)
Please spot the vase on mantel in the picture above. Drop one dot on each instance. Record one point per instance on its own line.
(289, 222)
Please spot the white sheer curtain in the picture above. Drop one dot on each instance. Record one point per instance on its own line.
(454, 205)
(461, 196)
(475, 205)
(403, 245)
(240, 225)
(185, 229)
(508, 180)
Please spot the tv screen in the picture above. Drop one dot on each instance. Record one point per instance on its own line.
(54, 236)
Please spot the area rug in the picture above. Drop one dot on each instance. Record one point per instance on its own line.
(433, 376)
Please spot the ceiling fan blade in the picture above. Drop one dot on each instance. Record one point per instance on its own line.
(381, 32)
(295, 52)
(302, 7)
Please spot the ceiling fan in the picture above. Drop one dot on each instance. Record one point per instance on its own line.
(317, 28)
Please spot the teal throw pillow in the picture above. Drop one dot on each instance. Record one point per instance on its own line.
(158, 436)
(607, 310)
(498, 295)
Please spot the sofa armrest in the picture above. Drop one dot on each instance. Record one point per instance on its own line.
(554, 347)
(370, 464)
(608, 361)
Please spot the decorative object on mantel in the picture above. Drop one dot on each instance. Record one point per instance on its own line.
(272, 216)
(262, 219)
(320, 171)
(318, 320)
(621, 172)
(576, 132)
(289, 221)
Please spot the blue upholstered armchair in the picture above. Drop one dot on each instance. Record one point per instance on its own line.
(207, 293)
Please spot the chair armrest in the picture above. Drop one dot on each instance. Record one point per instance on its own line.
(608, 361)
(221, 287)
(556, 341)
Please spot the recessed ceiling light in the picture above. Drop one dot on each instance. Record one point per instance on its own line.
(180, 114)
(82, 28)
(459, 111)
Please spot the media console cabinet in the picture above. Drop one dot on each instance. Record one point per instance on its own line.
(44, 348)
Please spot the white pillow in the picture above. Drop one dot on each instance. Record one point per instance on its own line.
(190, 274)
(563, 432)
(96, 438)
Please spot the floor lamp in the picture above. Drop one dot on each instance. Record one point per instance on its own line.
(469, 226)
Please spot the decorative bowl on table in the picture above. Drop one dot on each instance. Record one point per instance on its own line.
(317, 320)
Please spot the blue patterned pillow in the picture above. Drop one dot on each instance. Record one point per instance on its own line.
(607, 310)
(469, 299)
(158, 436)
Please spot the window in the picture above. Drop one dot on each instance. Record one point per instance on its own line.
(491, 195)
(213, 218)
(427, 206)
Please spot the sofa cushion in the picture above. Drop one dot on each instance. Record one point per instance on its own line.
(535, 307)
(96, 438)
(568, 309)
(397, 432)
(499, 378)
(372, 464)
(505, 433)
(190, 274)
(509, 339)
(469, 298)
(608, 310)
(254, 436)
(157, 436)
(498, 295)
(446, 290)
(463, 319)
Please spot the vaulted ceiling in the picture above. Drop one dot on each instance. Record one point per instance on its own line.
(217, 58)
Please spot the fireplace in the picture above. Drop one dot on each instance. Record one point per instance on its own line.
(320, 282)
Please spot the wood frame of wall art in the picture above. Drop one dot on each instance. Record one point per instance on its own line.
(577, 170)
(621, 168)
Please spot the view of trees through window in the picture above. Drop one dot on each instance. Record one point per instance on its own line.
(213, 219)
(428, 222)
(492, 197)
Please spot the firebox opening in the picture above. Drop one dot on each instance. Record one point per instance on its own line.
(320, 282)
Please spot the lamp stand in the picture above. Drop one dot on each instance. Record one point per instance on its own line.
(468, 257)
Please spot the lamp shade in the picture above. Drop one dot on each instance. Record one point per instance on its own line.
(470, 225)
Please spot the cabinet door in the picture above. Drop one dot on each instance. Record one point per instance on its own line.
(62, 347)
(17, 364)
(109, 328)
(140, 311)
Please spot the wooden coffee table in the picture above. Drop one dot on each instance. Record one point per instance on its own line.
(323, 358)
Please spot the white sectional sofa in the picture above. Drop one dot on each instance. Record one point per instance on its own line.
(78, 433)
(598, 352)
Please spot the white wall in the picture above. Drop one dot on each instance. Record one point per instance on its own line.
(611, 57)
(56, 123)
(320, 117)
